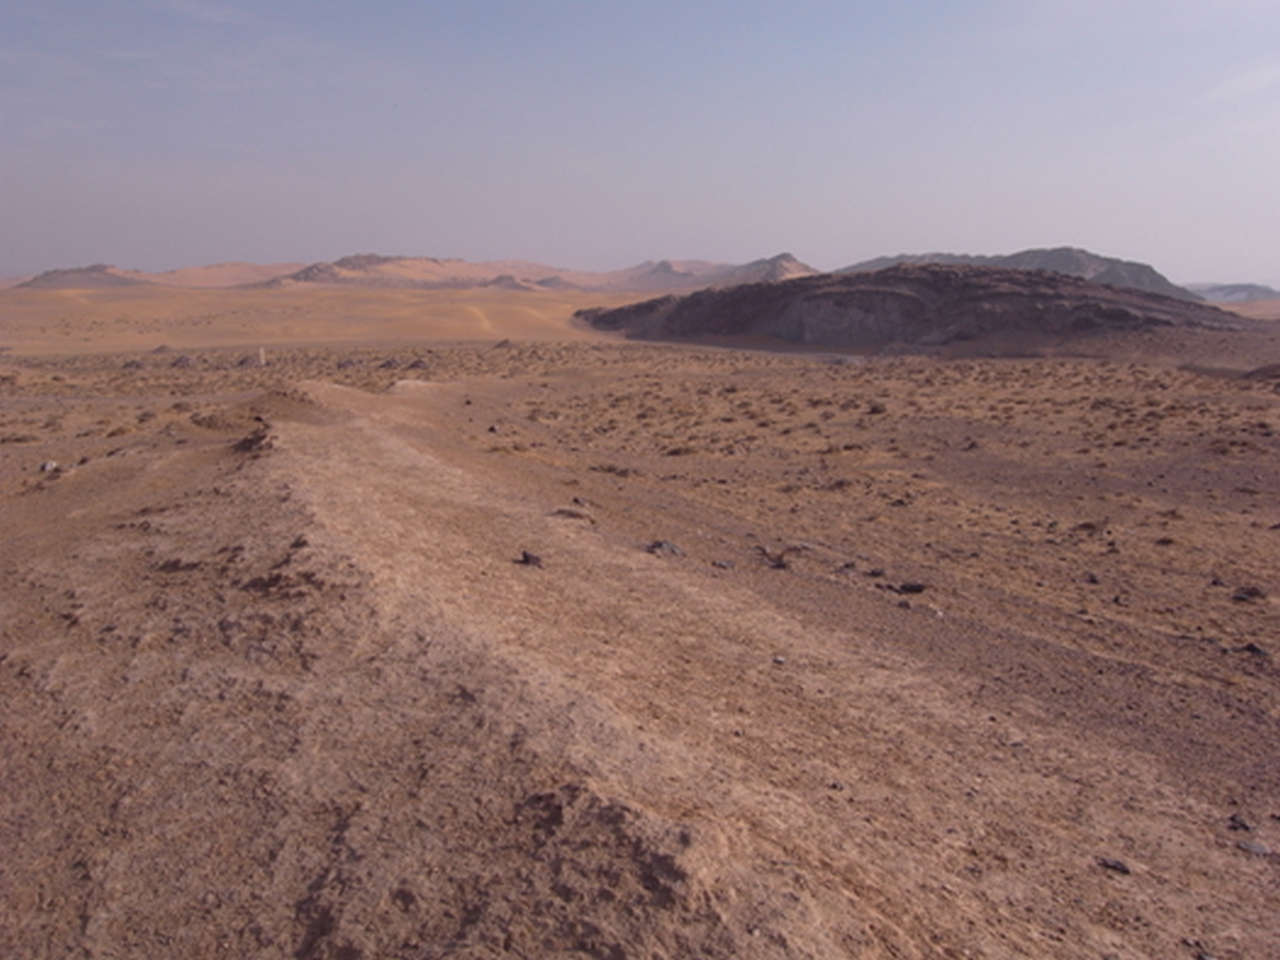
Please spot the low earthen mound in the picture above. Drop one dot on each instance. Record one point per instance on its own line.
(925, 305)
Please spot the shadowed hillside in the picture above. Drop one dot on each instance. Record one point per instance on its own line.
(920, 306)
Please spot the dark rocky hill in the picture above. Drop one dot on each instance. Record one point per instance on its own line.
(1068, 260)
(924, 305)
(82, 278)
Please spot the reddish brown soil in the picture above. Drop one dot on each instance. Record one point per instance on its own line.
(811, 657)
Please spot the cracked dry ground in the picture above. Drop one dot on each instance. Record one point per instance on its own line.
(936, 659)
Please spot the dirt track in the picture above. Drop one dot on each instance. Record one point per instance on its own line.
(918, 656)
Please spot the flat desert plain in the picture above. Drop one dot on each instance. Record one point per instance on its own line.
(455, 630)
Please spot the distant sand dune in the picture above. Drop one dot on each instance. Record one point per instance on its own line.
(218, 274)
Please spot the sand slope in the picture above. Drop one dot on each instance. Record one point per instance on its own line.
(40, 321)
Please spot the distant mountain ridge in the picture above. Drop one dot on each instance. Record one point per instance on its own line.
(1234, 292)
(435, 273)
(667, 276)
(1071, 261)
(651, 276)
(211, 276)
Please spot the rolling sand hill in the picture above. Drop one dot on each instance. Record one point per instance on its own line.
(218, 275)
(1259, 309)
(430, 273)
(548, 644)
(145, 316)
(909, 306)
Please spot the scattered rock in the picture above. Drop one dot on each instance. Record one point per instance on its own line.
(779, 660)
(1252, 648)
(614, 469)
(1201, 953)
(258, 440)
(571, 514)
(49, 466)
(528, 559)
(176, 565)
(182, 362)
(1115, 866)
(664, 548)
(1252, 846)
(1246, 594)
(777, 560)
(911, 587)
(875, 572)
(1237, 822)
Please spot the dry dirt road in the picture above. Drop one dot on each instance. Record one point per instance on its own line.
(805, 658)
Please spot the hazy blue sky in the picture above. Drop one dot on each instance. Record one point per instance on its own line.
(161, 133)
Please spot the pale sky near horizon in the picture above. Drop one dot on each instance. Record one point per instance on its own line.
(164, 133)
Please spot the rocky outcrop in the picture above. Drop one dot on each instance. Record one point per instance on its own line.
(1069, 260)
(912, 305)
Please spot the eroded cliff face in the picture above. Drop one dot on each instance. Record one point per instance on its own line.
(914, 305)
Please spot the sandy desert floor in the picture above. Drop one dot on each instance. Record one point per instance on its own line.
(806, 657)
